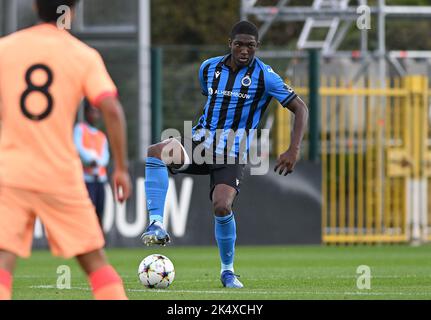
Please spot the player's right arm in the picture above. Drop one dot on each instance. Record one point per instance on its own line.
(102, 93)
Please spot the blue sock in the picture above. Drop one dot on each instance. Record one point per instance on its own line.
(156, 187)
(225, 234)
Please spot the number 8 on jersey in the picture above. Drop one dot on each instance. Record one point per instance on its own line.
(31, 87)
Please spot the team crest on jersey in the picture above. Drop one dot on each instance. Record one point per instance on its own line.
(217, 74)
(246, 81)
(210, 91)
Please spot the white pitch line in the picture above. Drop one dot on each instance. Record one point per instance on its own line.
(54, 287)
(331, 276)
(242, 291)
(287, 278)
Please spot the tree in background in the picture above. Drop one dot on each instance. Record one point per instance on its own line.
(193, 22)
(208, 22)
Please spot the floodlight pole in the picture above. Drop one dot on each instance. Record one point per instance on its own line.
(144, 78)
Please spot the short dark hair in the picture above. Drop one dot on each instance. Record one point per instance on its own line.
(244, 27)
(47, 9)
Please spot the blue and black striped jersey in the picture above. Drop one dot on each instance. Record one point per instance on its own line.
(236, 103)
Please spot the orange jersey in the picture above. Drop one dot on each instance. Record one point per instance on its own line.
(44, 74)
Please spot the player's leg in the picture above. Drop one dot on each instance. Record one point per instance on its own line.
(105, 281)
(161, 155)
(225, 184)
(225, 226)
(73, 230)
(16, 234)
(7, 267)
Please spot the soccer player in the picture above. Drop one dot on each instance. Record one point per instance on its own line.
(239, 87)
(93, 150)
(44, 74)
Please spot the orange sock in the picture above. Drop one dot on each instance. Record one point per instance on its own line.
(5, 285)
(107, 284)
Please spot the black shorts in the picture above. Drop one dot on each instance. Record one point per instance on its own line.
(229, 173)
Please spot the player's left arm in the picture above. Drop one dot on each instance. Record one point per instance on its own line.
(102, 93)
(289, 100)
(287, 160)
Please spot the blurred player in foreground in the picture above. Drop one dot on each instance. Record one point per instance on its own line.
(44, 74)
(93, 149)
(239, 88)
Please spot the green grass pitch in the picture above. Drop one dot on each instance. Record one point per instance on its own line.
(273, 272)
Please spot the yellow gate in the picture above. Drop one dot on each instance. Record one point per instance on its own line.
(376, 160)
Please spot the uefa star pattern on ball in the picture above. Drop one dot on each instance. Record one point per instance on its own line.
(156, 271)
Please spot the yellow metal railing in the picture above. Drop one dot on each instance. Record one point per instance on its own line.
(376, 159)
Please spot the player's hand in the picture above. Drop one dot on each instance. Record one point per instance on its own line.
(122, 185)
(286, 162)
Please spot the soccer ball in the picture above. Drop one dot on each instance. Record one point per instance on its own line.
(156, 271)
